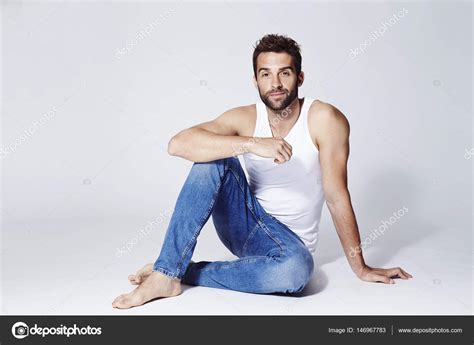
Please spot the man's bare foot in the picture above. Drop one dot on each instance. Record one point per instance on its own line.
(141, 275)
(154, 286)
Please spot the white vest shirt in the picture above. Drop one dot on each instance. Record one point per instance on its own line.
(291, 192)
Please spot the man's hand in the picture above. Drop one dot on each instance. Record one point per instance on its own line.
(383, 275)
(276, 148)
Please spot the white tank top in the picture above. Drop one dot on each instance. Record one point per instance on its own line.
(291, 192)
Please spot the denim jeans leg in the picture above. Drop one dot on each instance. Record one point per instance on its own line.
(192, 210)
(271, 257)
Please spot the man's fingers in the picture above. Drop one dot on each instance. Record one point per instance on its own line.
(393, 272)
(288, 145)
(287, 151)
(383, 279)
(407, 274)
(403, 275)
(285, 154)
(397, 272)
(385, 275)
(284, 142)
(279, 158)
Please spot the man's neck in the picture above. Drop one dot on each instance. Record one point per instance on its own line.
(289, 114)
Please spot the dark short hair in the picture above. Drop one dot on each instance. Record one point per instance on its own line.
(277, 43)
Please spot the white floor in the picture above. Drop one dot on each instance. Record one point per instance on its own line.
(79, 272)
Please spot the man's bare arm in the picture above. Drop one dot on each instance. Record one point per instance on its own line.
(221, 138)
(332, 134)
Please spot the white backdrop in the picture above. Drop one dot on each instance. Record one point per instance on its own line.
(92, 92)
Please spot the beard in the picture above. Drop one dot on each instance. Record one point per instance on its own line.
(282, 103)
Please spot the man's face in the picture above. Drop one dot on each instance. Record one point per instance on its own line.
(276, 81)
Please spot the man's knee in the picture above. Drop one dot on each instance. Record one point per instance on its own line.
(204, 170)
(220, 163)
(292, 274)
(218, 166)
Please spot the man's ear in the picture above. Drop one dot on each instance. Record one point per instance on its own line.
(301, 78)
(255, 82)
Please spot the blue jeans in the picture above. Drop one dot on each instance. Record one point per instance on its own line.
(272, 258)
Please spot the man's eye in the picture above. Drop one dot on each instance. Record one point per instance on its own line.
(286, 73)
(265, 75)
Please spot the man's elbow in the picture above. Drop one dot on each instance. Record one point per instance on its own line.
(337, 197)
(174, 145)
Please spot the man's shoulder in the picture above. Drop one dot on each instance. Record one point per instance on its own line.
(242, 119)
(321, 113)
(326, 121)
(243, 110)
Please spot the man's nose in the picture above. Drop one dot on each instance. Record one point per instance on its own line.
(276, 82)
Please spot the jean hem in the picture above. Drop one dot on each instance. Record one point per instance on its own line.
(166, 272)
